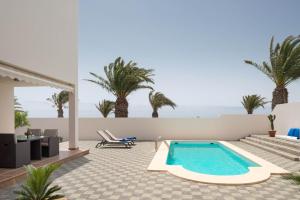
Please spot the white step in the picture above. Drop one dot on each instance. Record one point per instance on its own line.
(274, 145)
(292, 144)
(272, 150)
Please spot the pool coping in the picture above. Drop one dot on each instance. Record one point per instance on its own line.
(254, 175)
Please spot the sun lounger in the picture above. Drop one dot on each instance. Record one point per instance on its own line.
(293, 134)
(132, 139)
(106, 140)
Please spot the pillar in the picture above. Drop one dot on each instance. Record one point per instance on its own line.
(73, 119)
(7, 112)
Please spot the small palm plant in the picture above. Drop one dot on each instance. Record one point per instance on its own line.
(121, 80)
(106, 107)
(284, 67)
(158, 100)
(37, 185)
(59, 102)
(252, 102)
(294, 177)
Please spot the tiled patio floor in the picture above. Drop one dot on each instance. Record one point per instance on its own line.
(115, 173)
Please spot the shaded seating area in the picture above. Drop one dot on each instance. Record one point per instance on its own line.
(13, 154)
(19, 150)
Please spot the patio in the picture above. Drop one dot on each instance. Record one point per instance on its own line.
(9, 176)
(115, 173)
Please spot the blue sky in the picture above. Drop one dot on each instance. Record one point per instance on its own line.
(196, 47)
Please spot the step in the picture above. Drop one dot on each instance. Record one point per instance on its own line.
(278, 146)
(275, 151)
(292, 144)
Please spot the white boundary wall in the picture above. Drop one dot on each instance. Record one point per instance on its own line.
(227, 127)
(287, 116)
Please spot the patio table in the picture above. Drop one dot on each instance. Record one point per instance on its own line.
(35, 145)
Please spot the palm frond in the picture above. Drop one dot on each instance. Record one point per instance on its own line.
(284, 61)
(264, 68)
(106, 107)
(123, 78)
(252, 102)
(294, 177)
(37, 185)
(158, 100)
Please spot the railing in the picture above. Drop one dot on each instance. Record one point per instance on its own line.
(159, 139)
(167, 144)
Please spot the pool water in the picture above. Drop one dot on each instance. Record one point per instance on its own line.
(211, 158)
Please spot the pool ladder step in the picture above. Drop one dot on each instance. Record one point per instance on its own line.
(281, 150)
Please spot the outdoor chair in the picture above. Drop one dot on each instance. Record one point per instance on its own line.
(13, 154)
(131, 139)
(107, 141)
(50, 144)
(36, 132)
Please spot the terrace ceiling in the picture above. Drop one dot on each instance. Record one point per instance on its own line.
(32, 78)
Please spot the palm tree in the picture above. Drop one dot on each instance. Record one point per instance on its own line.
(59, 101)
(17, 105)
(158, 100)
(284, 67)
(37, 185)
(121, 80)
(106, 107)
(21, 117)
(252, 102)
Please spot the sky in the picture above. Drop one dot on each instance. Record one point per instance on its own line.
(196, 49)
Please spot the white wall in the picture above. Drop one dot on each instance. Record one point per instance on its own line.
(40, 36)
(228, 127)
(287, 116)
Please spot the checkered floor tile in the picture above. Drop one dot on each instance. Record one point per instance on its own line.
(117, 173)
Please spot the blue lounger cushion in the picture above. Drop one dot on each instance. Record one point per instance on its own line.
(131, 138)
(294, 132)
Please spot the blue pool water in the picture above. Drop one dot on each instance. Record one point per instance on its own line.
(211, 158)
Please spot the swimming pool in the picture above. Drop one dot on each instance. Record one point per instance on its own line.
(211, 158)
(216, 162)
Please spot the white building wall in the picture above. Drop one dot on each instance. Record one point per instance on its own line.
(40, 36)
(227, 127)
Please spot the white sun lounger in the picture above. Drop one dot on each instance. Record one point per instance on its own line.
(106, 140)
(130, 139)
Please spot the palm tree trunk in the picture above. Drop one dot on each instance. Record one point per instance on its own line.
(60, 112)
(155, 114)
(280, 96)
(250, 112)
(121, 107)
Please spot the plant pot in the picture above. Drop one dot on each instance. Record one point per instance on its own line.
(272, 133)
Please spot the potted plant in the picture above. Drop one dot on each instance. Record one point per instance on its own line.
(272, 132)
(37, 185)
